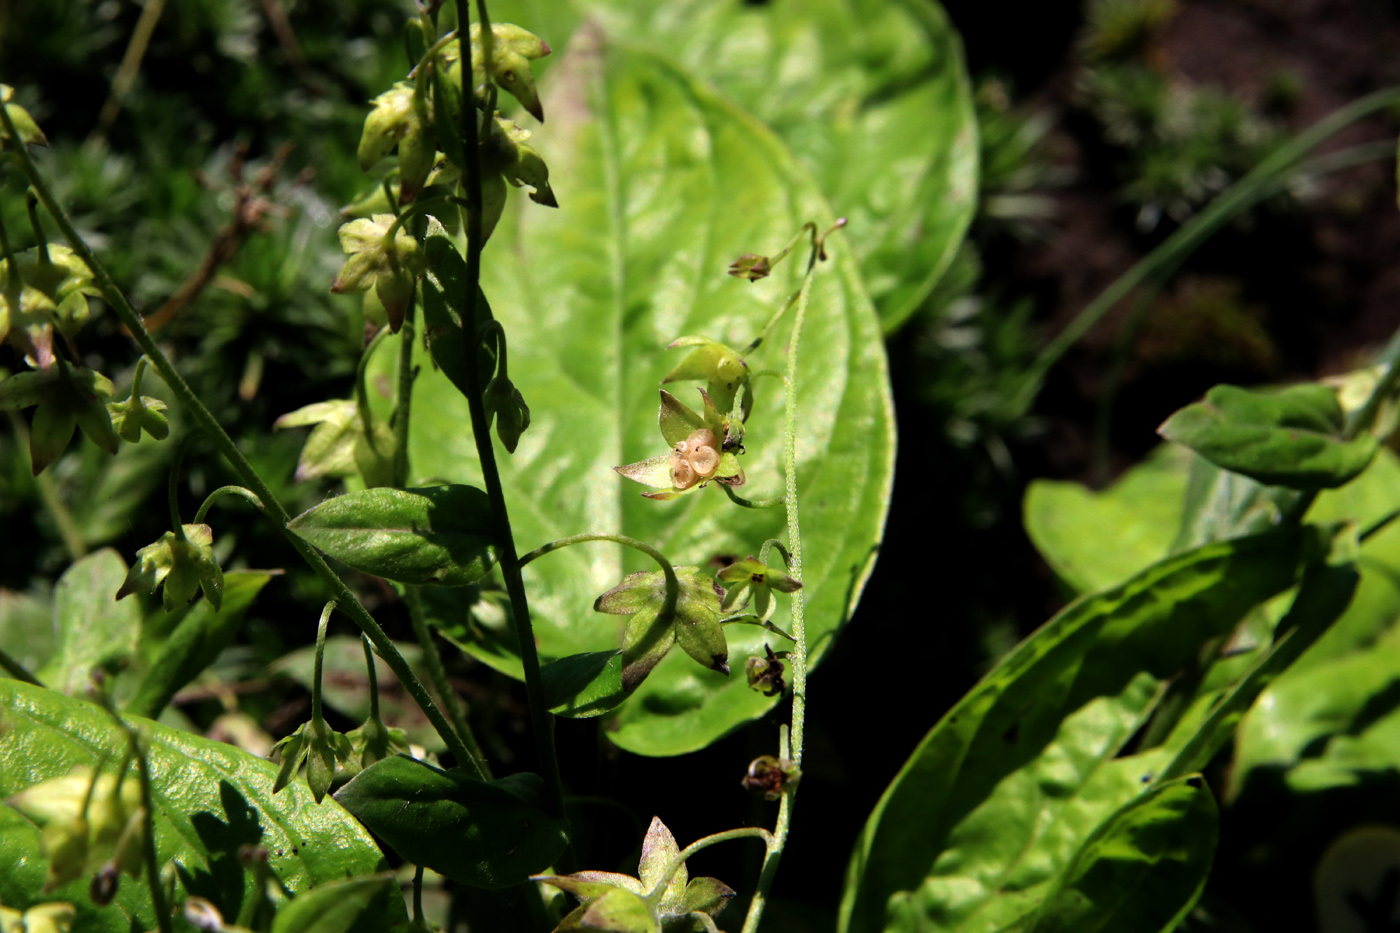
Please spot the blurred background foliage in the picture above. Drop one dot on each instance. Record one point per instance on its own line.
(1103, 127)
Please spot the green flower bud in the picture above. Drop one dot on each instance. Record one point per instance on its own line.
(325, 752)
(505, 152)
(512, 50)
(391, 269)
(751, 266)
(139, 413)
(373, 741)
(185, 567)
(723, 368)
(45, 285)
(67, 398)
(504, 402)
(28, 130)
(50, 918)
(393, 117)
(693, 623)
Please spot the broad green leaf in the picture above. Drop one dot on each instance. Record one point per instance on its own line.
(1143, 869)
(487, 835)
(332, 908)
(999, 795)
(1095, 539)
(668, 184)
(871, 95)
(196, 642)
(94, 629)
(1293, 437)
(27, 632)
(1221, 504)
(210, 799)
(436, 534)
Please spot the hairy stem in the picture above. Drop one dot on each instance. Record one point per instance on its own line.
(541, 721)
(403, 401)
(222, 491)
(797, 658)
(225, 445)
(699, 845)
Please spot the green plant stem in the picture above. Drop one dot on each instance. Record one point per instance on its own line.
(67, 528)
(413, 596)
(222, 491)
(172, 487)
(362, 387)
(321, 627)
(225, 445)
(372, 678)
(750, 503)
(633, 543)
(797, 658)
(699, 845)
(418, 894)
(1259, 183)
(541, 721)
(403, 402)
(127, 70)
(143, 768)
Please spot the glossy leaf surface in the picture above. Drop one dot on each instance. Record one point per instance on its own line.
(871, 95)
(94, 629)
(669, 183)
(1293, 437)
(211, 798)
(487, 835)
(436, 534)
(1143, 869)
(334, 907)
(999, 795)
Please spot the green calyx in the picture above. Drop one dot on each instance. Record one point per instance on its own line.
(692, 620)
(28, 130)
(139, 413)
(322, 750)
(512, 50)
(388, 265)
(750, 579)
(504, 403)
(338, 445)
(42, 289)
(722, 367)
(65, 398)
(657, 900)
(185, 564)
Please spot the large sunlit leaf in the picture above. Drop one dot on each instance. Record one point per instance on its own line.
(210, 800)
(996, 799)
(1143, 869)
(662, 184)
(871, 95)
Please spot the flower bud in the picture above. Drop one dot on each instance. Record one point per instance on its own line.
(392, 118)
(504, 402)
(512, 50)
(391, 269)
(770, 776)
(104, 884)
(136, 414)
(50, 918)
(28, 130)
(65, 845)
(751, 266)
(185, 566)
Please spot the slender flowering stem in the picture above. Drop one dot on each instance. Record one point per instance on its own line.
(211, 427)
(541, 721)
(222, 491)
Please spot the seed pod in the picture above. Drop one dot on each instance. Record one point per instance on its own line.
(682, 473)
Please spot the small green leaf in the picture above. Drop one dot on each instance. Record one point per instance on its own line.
(196, 642)
(658, 849)
(210, 799)
(620, 911)
(94, 630)
(332, 908)
(1143, 869)
(487, 835)
(434, 534)
(1291, 438)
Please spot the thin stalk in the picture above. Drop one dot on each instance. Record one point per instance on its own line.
(143, 768)
(633, 543)
(172, 487)
(321, 627)
(541, 721)
(67, 528)
(1259, 183)
(413, 596)
(222, 491)
(750, 503)
(797, 658)
(225, 445)
(418, 895)
(128, 69)
(362, 387)
(372, 678)
(699, 845)
(404, 398)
